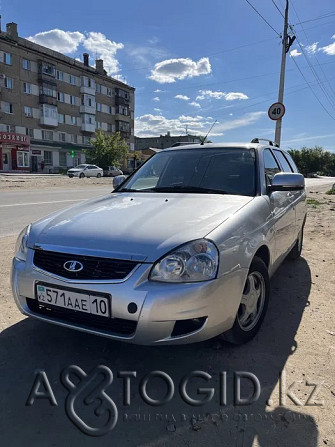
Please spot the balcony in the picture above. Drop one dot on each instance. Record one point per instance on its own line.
(88, 127)
(87, 90)
(48, 121)
(88, 109)
(46, 99)
(121, 101)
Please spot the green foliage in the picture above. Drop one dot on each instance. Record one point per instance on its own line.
(314, 160)
(313, 202)
(331, 192)
(108, 150)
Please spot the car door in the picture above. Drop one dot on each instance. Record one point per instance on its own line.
(91, 171)
(282, 209)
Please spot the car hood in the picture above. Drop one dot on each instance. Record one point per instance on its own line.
(137, 226)
(74, 170)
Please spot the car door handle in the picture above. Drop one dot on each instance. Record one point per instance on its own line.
(289, 195)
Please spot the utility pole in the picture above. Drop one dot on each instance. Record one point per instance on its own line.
(285, 49)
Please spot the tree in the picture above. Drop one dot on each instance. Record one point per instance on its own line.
(314, 160)
(108, 150)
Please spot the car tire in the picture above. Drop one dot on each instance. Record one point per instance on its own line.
(81, 175)
(297, 248)
(70, 176)
(98, 175)
(257, 283)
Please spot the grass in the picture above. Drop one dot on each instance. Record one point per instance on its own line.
(331, 192)
(313, 202)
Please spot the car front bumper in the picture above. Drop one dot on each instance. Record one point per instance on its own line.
(159, 305)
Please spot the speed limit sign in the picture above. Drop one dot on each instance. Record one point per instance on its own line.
(276, 111)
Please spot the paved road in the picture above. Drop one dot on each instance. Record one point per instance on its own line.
(19, 208)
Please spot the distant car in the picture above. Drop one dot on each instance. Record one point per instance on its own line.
(112, 171)
(181, 251)
(85, 171)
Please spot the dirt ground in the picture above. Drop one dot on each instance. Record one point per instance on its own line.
(297, 337)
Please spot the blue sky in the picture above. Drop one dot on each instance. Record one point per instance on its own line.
(193, 61)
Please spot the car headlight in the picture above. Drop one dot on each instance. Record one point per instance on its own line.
(195, 261)
(21, 247)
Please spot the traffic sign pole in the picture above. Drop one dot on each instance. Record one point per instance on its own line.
(282, 75)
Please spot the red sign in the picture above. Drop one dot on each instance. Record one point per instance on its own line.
(14, 138)
(276, 111)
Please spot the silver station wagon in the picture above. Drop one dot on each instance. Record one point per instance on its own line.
(180, 252)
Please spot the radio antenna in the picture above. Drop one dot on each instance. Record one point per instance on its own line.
(204, 139)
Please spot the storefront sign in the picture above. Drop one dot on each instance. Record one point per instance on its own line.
(10, 137)
(36, 152)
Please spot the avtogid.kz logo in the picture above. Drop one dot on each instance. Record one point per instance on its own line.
(88, 389)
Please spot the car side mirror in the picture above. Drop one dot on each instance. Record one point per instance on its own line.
(287, 181)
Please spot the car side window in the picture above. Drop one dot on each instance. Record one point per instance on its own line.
(291, 162)
(271, 166)
(282, 160)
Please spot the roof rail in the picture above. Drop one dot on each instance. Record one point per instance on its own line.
(271, 143)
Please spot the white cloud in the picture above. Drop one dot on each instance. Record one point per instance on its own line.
(194, 104)
(230, 96)
(98, 44)
(329, 49)
(156, 98)
(157, 110)
(152, 125)
(295, 53)
(170, 70)
(59, 40)
(183, 97)
(157, 91)
(311, 49)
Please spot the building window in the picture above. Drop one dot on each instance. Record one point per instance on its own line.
(73, 138)
(123, 126)
(26, 64)
(72, 100)
(99, 107)
(122, 94)
(62, 136)
(10, 128)
(88, 100)
(61, 118)
(47, 135)
(48, 69)
(110, 128)
(8, 107)
(73, 120)
(88, 119)
(8, 82)
(123, 110)
(48, 111)
(59, 75)
(30, 132)
(73, 80)
(7, 58)
(22, 159)
(86, 139)
(48, 90)
(98, 125)
(62, 159)
(27, 88)
(110, 109)
(98, 88)
(47, 157)
(109, 91)
(28, 111)
(87, 82)
(60, 96)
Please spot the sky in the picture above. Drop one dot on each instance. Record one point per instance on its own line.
(196, 62)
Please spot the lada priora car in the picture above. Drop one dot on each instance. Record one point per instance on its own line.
(180, 252)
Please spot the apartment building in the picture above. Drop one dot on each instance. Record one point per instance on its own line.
(51, 105)
(164, 141)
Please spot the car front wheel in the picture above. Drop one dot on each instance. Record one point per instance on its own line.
(253, 305)
(81, 175)
(98, 175)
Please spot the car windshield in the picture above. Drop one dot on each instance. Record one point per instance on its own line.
(81, 167)
(205, 170)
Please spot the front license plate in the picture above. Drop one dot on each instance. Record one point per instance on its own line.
(96, 305)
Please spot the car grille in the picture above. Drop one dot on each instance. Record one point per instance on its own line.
(117, 326)
(94, 268)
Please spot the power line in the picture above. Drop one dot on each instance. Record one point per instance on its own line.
(316, 97)
(324, 16)
(278, 8)
(263, 18)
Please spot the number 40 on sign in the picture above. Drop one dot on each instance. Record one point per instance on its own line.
(276, 111)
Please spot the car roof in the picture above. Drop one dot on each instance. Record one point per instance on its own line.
(243, 145)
